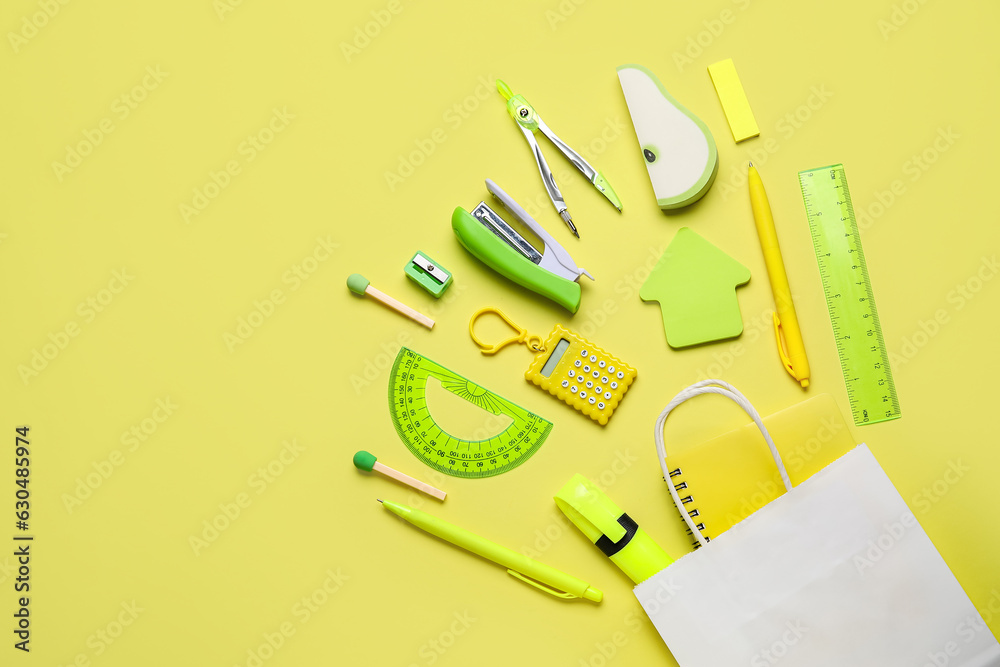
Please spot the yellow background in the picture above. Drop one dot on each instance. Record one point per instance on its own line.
(315, 370)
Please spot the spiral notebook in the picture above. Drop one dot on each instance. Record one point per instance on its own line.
(726, 479)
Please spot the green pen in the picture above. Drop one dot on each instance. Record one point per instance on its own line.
(528, 570)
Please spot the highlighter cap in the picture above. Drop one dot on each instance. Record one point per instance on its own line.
(614, 532)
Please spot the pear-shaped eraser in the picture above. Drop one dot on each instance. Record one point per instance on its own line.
(678, 149)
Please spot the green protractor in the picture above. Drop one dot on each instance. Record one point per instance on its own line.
(442, 451)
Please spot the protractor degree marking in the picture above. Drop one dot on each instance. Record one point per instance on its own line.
(410, 373)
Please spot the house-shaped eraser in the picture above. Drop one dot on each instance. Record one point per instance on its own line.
(695, 284)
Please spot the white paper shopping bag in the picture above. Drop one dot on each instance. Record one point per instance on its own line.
(836, 572)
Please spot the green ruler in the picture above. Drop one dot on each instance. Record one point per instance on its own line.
(848, 288)
(456, 456)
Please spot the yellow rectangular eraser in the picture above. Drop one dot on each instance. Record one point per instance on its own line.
(734, 100)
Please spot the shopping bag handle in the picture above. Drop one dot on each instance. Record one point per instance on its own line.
(730, 392)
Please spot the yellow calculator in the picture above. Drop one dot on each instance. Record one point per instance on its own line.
(581, 374)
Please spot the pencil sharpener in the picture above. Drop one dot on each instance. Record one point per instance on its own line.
(427, 273)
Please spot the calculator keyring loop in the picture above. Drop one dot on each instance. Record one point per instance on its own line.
(522, 336)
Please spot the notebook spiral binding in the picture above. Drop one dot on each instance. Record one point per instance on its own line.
(680, 484)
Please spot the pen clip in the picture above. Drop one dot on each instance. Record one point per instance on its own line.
(540, 586)
(785, 361)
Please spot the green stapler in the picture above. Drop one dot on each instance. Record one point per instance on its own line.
(551, 273)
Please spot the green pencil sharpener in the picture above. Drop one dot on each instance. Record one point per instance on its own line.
(427, 273)
(613, 531)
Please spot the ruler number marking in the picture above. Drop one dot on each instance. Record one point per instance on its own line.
(849, 295)
(428, 441)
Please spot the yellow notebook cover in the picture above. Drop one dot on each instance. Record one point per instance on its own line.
(726, 479)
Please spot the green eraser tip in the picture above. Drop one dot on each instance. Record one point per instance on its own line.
(357, 283)
(364, 460)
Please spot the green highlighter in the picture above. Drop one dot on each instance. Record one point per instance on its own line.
(614, 532)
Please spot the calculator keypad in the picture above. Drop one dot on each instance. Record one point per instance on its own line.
(586, 377)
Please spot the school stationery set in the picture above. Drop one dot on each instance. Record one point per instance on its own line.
(804, 552)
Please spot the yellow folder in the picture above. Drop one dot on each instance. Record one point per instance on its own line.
(726, 479)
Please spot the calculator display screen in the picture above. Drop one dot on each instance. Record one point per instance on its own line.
(554, 358)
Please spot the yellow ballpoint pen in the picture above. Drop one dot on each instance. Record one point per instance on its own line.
(785, 321)
(530, 571)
